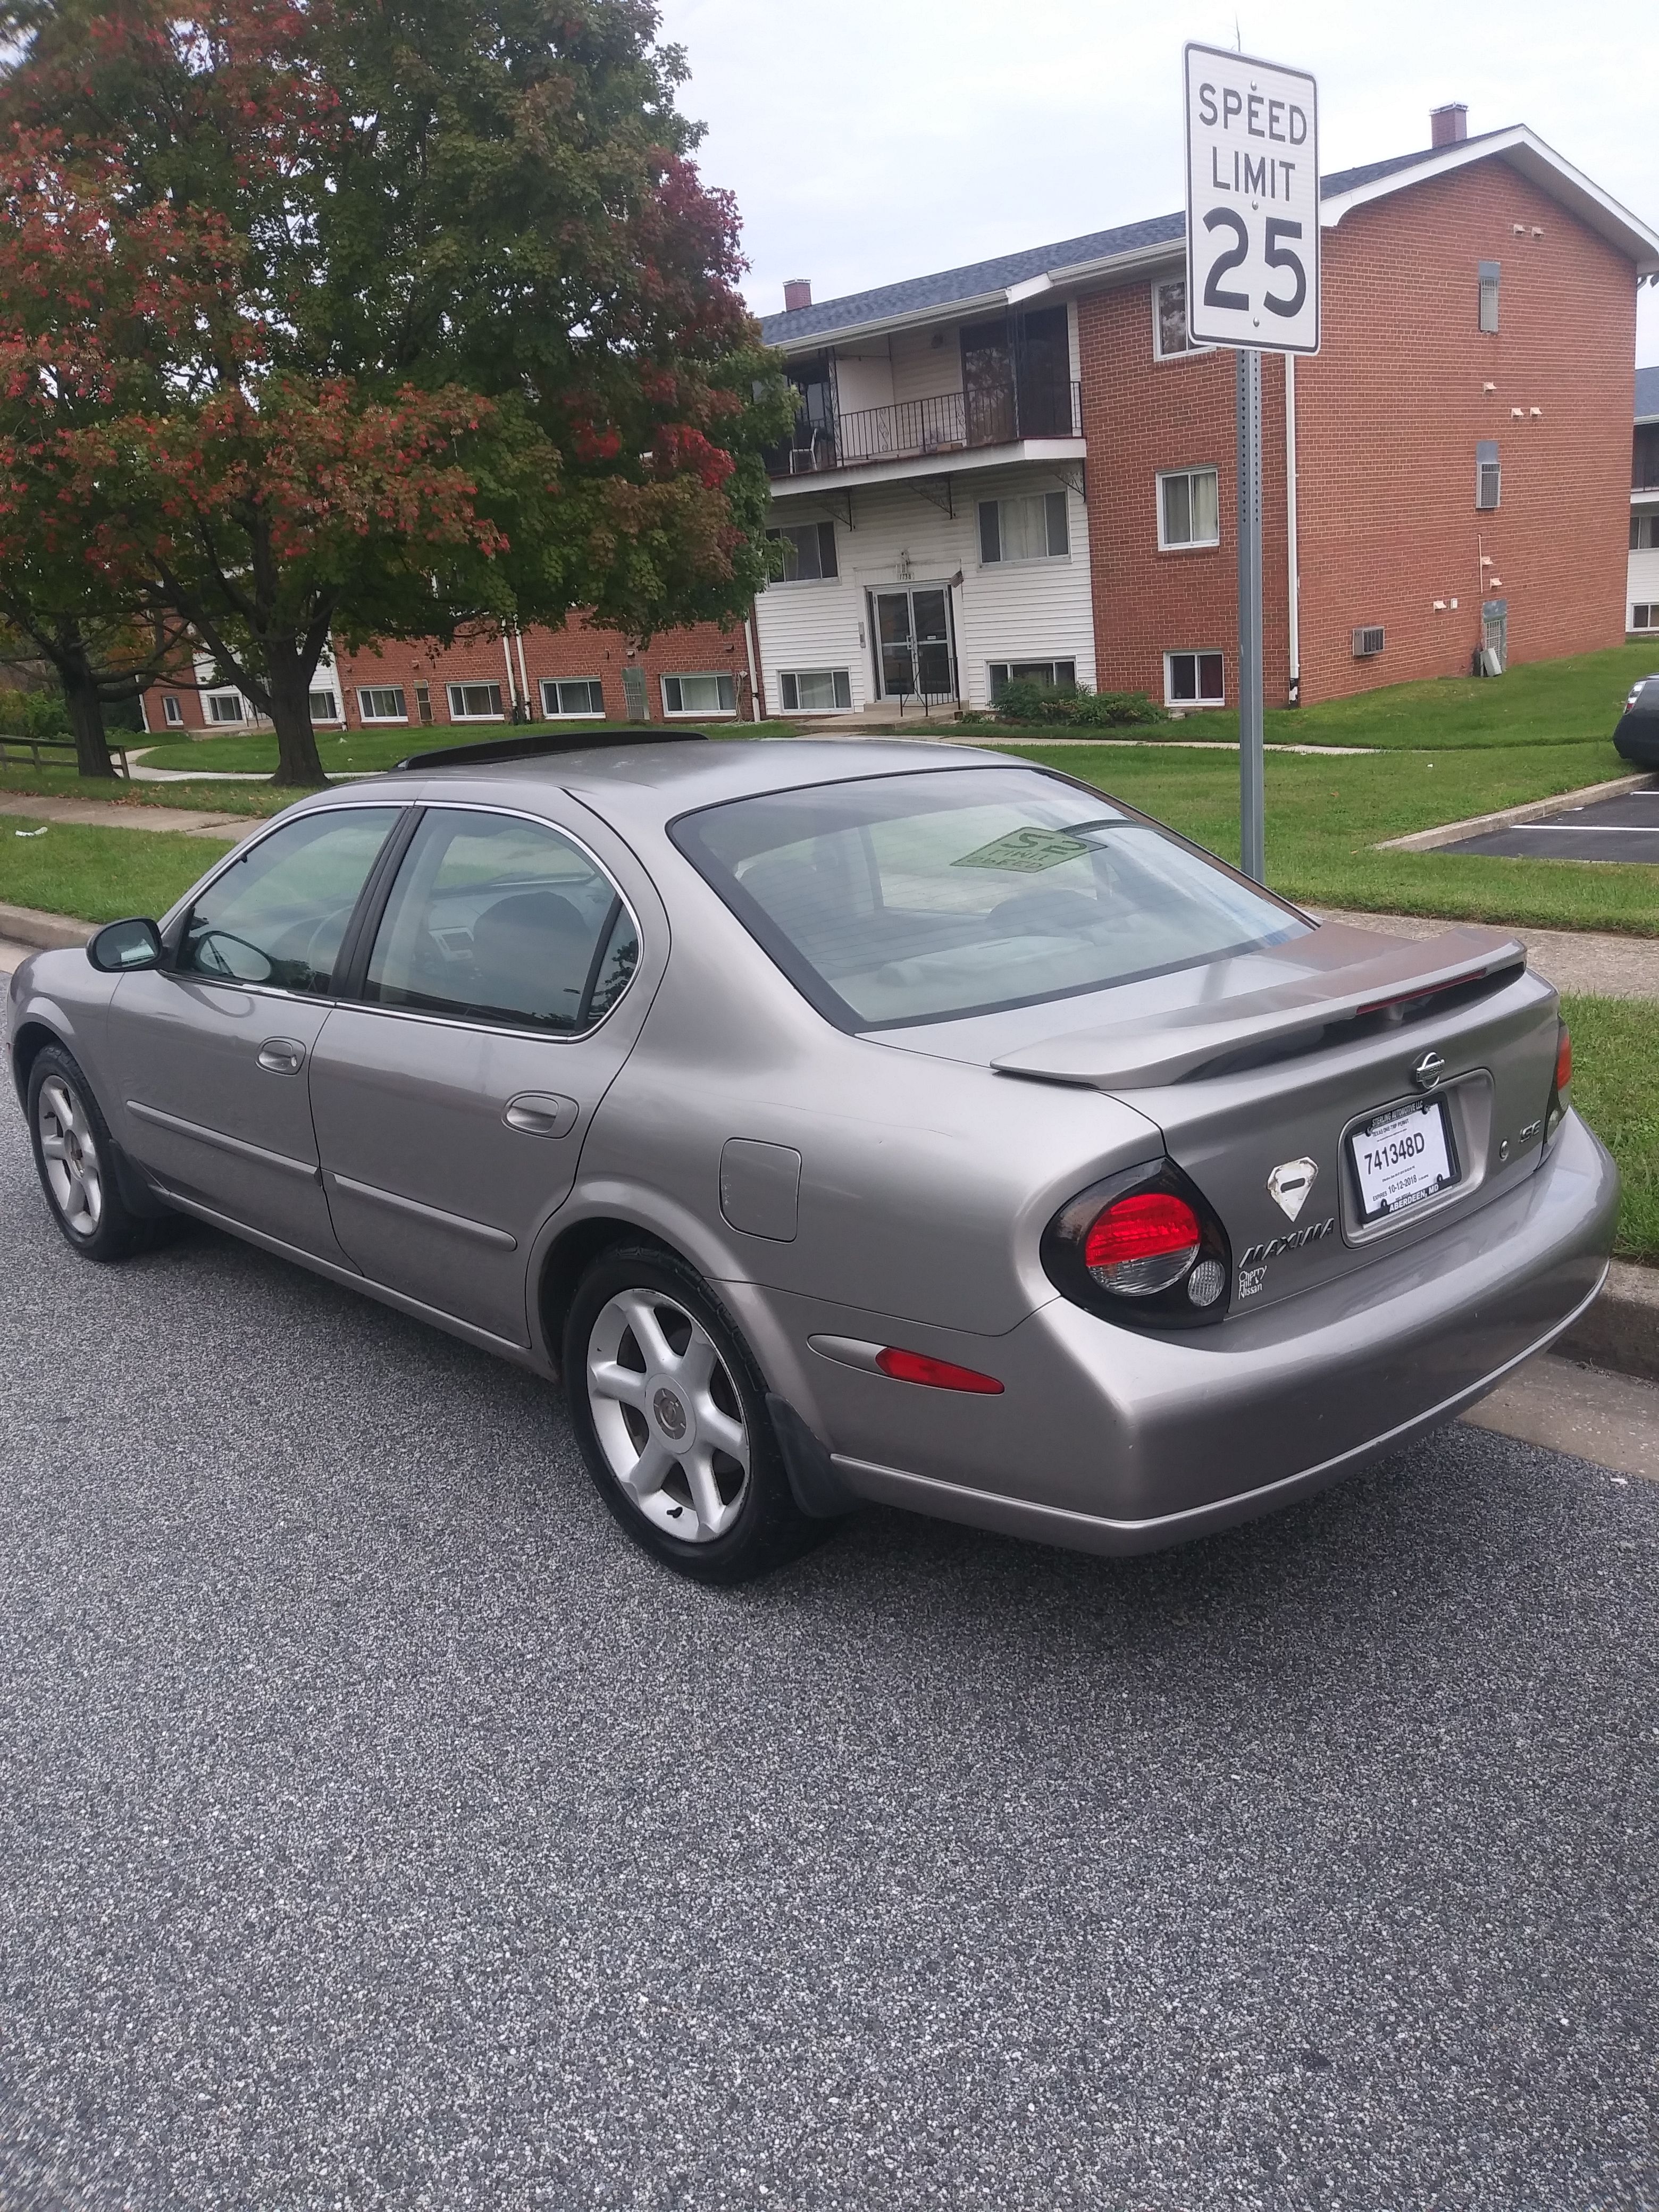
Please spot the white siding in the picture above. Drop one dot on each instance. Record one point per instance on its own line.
(1642, 584)
(864, 379)
(1036, 610)
(923, 370)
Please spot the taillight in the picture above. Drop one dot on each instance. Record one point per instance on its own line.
(1142, 1242)
(939, 1374)
(1561, 1086)
(1144, 1246)
(1564, 1059)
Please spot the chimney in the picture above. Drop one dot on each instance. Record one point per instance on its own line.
(1449, 126)
(798, 292)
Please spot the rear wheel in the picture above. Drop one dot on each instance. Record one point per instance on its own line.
(75, 1158)
(670, 1411)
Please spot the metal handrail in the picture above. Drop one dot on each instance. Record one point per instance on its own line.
(948, 422)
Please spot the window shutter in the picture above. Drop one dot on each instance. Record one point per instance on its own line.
(1059, 541)
(990, 537)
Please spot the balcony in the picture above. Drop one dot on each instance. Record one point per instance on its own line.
(826, 439)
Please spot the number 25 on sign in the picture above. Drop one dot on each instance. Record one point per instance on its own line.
(1252, 203)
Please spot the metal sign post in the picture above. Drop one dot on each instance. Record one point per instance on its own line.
(1252, 283)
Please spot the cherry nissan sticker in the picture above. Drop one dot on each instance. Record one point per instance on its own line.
(1252, 203)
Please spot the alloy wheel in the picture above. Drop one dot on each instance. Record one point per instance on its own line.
(667, 1415)
(71, 1153)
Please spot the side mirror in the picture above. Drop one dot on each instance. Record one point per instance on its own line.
(120, 945)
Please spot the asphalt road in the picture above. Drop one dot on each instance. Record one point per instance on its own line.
(377, 1829)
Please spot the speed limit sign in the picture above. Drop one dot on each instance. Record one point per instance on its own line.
(1252, 203)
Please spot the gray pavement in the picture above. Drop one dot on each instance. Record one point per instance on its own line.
(378, 1828)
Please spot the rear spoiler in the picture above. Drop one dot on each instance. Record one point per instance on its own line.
(525, 749)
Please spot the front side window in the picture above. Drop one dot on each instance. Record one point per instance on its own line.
(1195, 679)
(815, 690)
(1033, 528)
(173, 711)
(699, 695)
(278, 914)
(1188, 508)
(500, 920)
(809, 551)
(1488, 479)
(225, 707)
(382, 702)
(568, 697)
(923, 897)
(324, 708)
(475, 702)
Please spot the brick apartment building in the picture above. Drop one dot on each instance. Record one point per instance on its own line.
(1023, 467)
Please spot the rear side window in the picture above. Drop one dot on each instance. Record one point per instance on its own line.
(915, 898)
(496, 919)
(277, 916)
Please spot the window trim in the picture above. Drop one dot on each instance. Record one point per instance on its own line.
(1486, 456)
(1198, 653)
(794, 675)
(1025, 560)
(173, 711)
(1651, 609)
(333, 690)
(385, 720)
(1192, 346)
(556, 713)
(697, 714)
(777, 529)
(1188, 545)
(368, 927)
(216, 697)
(1487, 274)
(462, 684)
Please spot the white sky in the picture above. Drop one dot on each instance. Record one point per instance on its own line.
(868, 140)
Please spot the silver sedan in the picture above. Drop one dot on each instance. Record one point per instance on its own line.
(840, 1123)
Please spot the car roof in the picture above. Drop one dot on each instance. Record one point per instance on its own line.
(649, 784)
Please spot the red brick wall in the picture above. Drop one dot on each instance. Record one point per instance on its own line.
(575, 650)
(1387, 418)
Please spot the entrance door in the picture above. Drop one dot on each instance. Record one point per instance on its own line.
(913, 630)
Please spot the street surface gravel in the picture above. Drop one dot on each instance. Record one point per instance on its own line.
(378, 1828)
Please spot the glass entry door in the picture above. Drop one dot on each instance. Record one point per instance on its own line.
(913, 635)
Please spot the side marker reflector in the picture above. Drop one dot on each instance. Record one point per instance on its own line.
(938, 1374)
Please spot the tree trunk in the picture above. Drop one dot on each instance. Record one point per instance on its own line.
(86, 713)
(298, 761)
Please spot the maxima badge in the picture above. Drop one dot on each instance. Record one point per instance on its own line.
(1289, 1184)
(1428, 1071)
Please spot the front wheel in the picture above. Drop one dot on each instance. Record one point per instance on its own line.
(670, 1412)
(75, 1158)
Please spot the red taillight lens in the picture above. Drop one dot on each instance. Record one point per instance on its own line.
(1142, 1242)
(1563, 1061)
(938, 1374)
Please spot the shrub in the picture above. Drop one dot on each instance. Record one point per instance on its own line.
(1074, 706)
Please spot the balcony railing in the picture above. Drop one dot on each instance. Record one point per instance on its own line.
(912, 430)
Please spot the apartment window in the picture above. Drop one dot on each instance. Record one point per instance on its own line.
(1644, 533)
(809, 551)
(475, 702)
(1188, 508)
(699, 695)
(1644, 617)
(1170, 338)
(815, 690)
(1004, 672)
(1488, 483)
(325, 707)
(173, 709)
(1033, 528)
(225, 707)
(1489, 295)
(583, 696)
(1194, 679)
(382, 702)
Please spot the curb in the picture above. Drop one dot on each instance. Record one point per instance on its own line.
(47, 932)
(1448, 833)
(1620, 1332)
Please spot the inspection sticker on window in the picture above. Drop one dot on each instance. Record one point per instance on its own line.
(1024, 852)
(1401, 1158)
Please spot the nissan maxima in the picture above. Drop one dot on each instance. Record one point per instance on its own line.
(842, 1122)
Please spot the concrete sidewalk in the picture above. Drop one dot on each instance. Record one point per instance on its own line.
(1597, 962)
(113, 814)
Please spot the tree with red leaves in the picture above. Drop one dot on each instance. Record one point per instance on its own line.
(356, 320)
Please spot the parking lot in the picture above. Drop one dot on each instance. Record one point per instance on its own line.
(377, 1827)
(1623, 828)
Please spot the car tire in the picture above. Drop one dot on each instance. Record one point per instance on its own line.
(685, 1457)
(75, 1158)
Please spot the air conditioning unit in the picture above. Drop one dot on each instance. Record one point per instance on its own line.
(1367, 642)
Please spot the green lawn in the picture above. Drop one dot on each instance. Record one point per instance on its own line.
(99, 874)
(362, 750)
(1615, 1050)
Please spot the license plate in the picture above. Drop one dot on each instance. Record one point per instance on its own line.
(1402, 1159)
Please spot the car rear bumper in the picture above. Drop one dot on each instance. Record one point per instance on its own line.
(1107, 1440)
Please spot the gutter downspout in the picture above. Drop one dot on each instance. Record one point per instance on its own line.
(754, 676)
(524, 679)
(512, 680)
(1292, 569)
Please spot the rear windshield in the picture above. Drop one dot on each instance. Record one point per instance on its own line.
(915, 898)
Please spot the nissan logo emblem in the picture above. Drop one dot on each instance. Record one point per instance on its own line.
(1428, 1071)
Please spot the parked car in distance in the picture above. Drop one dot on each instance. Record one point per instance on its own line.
(842, 1122)
(1637, 736)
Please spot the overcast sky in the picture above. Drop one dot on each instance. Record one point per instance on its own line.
(872, 140)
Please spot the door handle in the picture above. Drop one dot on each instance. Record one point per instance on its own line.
(541, 1113)
(282, 1055)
